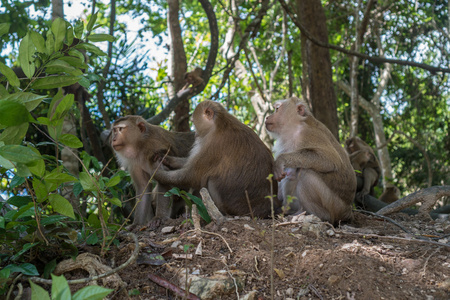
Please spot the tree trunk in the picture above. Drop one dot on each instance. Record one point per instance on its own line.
(317, 77)
(177, 66)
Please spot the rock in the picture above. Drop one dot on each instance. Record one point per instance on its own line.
(168, 229)
(330, 232)
(215, 286)
(333, 279)
(248, 227)
(290, 292)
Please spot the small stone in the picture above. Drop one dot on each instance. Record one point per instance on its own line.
(333, 279)
(168, 229)
(382, 269)
(330, 232)
(304, 253)
(248, 227)
(224, 230)
(290, 292)
(175, 244)
(302, 292)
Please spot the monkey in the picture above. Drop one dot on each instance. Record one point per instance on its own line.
(367, 164)
(310, 164)
(138, 146)
(193, 78)
(390, 194)
(228, 159)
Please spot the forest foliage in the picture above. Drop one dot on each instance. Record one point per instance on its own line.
(44, 204)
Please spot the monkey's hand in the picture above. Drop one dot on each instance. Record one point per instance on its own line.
(279, 170)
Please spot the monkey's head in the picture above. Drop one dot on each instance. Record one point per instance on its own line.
(126, 131)
(205, 115)
(288, 112)
(352, 144)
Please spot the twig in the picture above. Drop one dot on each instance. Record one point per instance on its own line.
(170, 286)
(426, 261)
(86, 280)
(249, 204)
(390, 237)
(385, 218)
(315, 291)
(207, 232)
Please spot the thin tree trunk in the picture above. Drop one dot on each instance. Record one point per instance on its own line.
(317, 77)
(177, 66)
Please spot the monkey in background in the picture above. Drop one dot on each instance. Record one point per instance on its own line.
(310, 164)
(363, 160)
(228, 159)
(138, 146)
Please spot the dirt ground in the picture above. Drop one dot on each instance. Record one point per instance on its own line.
(370, 258)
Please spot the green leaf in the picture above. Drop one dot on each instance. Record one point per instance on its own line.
(69, 33)
(37, 168)
(75, 62)
(56, 176)
(40, 190)
(19, 201)
(52, 82)
(115, 201)
(62, 107)
(4, 28)
(13, 113)
(30, 100)
(70, 140)
(26, 53)
(3, 91)
(5, 163)
(91, 22)
(49, 268)
(101, 37)
(25, 268)
(91, 48)
(9, 74)
(14, 135)
(61, 205)
(18, 153)
(203, 212)
(60, 288)
(59, 28)
(22, 170)
(60, 66)
(24, 249)
(37, 292)
(50, 43)
(38, 41)
(92, 239)
(113, 181)
(92, 292)
(78, 28)
(16, 181)
(87, 182)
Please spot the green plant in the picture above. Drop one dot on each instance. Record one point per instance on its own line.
(189, 199)
(61, 291)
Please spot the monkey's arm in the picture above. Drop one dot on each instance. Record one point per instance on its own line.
(175, 162)
(182, 178)
(306, 159)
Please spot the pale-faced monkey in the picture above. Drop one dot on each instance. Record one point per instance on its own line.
(310, 164)
(228, 159)
(139, 146)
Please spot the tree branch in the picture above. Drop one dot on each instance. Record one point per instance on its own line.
(374, 59)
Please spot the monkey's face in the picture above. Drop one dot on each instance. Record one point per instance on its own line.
(276, 121)
(118, 136)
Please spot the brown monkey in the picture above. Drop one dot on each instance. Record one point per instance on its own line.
(390, 194)
(193, 78)
(228, 159)
(310, 163)
(364, 160)
(138, 146)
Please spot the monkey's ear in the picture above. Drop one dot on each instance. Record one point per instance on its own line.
(301, 110)
(142, 127)
(209, 113)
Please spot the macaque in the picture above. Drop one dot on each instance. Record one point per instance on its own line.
(310, 164)
(139, 146)
(228, 159)
(193, 78)
(364, 160)
(390, 194)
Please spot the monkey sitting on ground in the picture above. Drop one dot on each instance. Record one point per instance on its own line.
(228, 159)
(138, 146)
(366, 163)
(310, 163)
